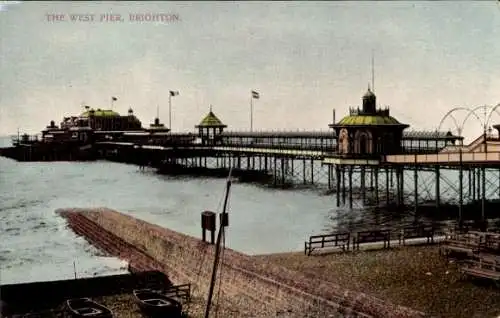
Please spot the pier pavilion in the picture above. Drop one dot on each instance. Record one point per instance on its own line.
(210, 129)
(367, 143)
(365, 136)
(368, 131)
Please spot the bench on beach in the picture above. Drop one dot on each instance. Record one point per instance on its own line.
(481, 273)
(465, 244)
(453, 250)
(485, 267)
(372, 237)
(182, 292)
(416, 231)
(335, 240)
(488, 241)
(455, 231)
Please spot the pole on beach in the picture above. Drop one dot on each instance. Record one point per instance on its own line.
(217, 245)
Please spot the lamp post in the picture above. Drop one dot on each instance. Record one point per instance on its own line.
(460, 180)
(170, 95)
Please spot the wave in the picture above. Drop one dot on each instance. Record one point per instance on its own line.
(20, 205)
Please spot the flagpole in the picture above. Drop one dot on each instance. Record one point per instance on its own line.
(251, 112)
(170, 111)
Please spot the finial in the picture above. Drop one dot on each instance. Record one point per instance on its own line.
(210, 107)
(373, 69)
(369, 87)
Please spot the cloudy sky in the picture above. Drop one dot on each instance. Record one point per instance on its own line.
(304, 58)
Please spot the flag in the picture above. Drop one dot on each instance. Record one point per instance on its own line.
(174, 93)
(114, 99)
(255, 95)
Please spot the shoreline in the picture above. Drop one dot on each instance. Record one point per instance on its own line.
(253, 287)
(403, 281)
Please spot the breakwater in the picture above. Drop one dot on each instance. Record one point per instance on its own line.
(253, 287)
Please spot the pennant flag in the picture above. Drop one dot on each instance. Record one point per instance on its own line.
(114, 98)
(255, 95)
(174, 93)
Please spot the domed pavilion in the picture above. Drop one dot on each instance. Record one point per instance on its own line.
(368, 131)
(210, 127)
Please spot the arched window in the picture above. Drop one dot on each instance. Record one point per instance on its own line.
(363, 144)
(380, 146)
(343, 146)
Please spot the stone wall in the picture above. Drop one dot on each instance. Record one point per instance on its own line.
(255, 287)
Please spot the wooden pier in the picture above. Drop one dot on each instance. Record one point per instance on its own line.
(367, 159)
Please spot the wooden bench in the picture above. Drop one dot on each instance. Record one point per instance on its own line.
(456, 250)
(492, 245)
(481, 273)
(416, 231)
(372, 237)
(459, 248)
(182, 292)
(485, 267)
(335, 240)
(453, 232)
(491, 242)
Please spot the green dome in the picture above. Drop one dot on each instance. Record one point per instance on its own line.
(363, 120)
(211, 120)
(101, 113)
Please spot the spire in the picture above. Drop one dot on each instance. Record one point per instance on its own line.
(373, 71)
(210, 107)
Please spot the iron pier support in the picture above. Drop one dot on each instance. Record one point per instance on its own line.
(350, 187)
(337, 179)
(438, 187)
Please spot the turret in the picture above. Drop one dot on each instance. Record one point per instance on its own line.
(369, 102)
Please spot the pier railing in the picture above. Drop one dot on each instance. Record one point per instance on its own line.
(319, 145)
(25, 139)
(451, 158)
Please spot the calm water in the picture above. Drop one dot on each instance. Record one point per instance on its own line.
(36, 245)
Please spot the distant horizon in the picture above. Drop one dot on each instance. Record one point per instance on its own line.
(304, 58)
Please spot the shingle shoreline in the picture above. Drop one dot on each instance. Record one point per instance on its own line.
(253, 287)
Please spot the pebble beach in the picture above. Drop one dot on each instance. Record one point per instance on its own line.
(412, 276)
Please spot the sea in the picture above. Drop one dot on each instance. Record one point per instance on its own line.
(37, 245)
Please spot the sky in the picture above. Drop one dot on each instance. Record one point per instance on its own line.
(304, 58)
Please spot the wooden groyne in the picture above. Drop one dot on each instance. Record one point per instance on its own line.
(106, 241)
(251, 286)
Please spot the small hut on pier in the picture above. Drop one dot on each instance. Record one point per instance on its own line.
(210, 128)
(368, 131)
